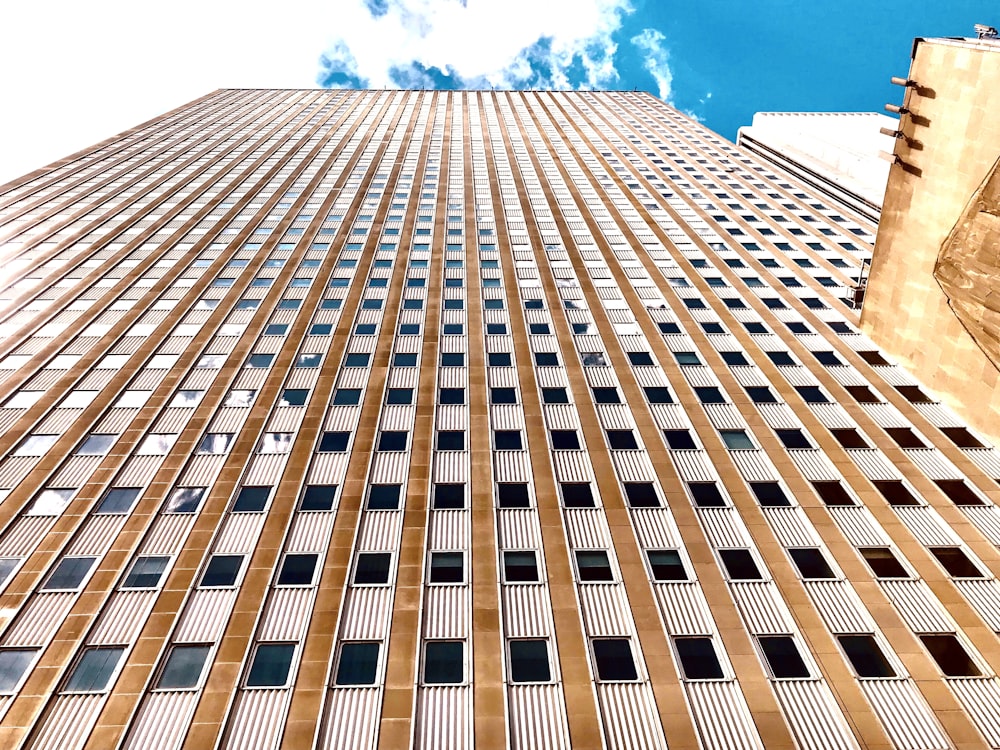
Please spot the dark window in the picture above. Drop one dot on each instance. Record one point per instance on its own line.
(961, 437)
(849, 438)
(453, 359)
(507, 440)
(372, 567)
(687, 358)
(883, 563)
(666, 565)
(146, 572)
(539, 328)
(566, 440)
(698, 659)
(449, 496)
(183, 667)
(358, 664)
(914, 395)
(606, 396)
(640, 358)
(956, 562)
(513, 495)
(94, 670)
(184, 500)
(546, 359)
(838, 326)
(499, 359)
(862, 394)
(451, 440)
(740, 565)
(399, 396)
(783, 657)
(555, 396)
(958, 492)
(346, 396)
(812, 394)
(873, 358)
(905, 437)
(444, 662)
(222, 571)
(641, 495)
(594, 565)
(503, 396)
(669, 328)
(781, 358)
(865, 656)
(334, 442)
(679, 439)
(392, 440)
(251, 499)
(613, 658)
(770, 494)
(950, 656)
(577, 495)
(793, 439)
(895, 493)
(520, 567)
(404, 360)
(294, 397)
(298, 569)
(447, 567)
(384, 497)
(811, 563)
(622, 440)
(708, 328)
(658, 395)
(529, 661)
(452, 396)
(827, 358)
(118, 500)
(356, 360)
(69, 573)
(761, 394)
(318, 497)
(736, 440)
(832, 493)
(709, 395)
(734, 359)
(706, 495)
(755, 327)
(13, 664)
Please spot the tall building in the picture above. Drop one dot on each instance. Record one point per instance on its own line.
(378, 419)
(838, 154)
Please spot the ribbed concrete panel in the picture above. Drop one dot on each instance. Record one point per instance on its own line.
(693, 466)
(444, 718)
(449, 530)
(166, 535)
(75, 472)
(684, 609)
(257, 719)
(367, 611)
(874, 464)
(571, 466)
(287, 614)
(446, 612)
(265, 469)
(605, 610)
(723, 527)
(205, 615)
(753, 466)
(68, 722)
(350, 719)
(859, 527)
(537, 718)
(988, 459)
(917, 605)
(980, 697)
(722, 716)
(310, 531)
(587, 528)
(25, 534)
(630, 716)
(904, 714)
(123, 618)
(927, 526)
(986, 519)
(791, 526)
(239, 533)
(814, 716)
(390, 468)
(162, 721)
(814, 466)
(511, 466)
(526, 611)
(518, 529)
(932, 463)
(839, 606)
(451, 467)
(762, 609)
(327, 468)
(138, 471)
(985, 599)
(655, 528)
(379, 530)
(39, 619)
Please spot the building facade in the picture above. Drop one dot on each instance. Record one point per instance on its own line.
(357, 419)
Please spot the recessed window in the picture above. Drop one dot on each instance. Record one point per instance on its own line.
(449, 496)
(622, 440)
(499, 359)
(216, 443)
(94, 670)
(709, 395)
(271, 665)
(862, 394)
(577, 494)
(507, 440)
(318, 497)
(913, 394)
(384, 496)
(146, 572)
(668, 328)
(739, 565)
(873, 358)
(956, 562)
(679, 439)
(950, 655)
(734, 359)
(793, 438)
(358, 664)
(769, 494)
(392, 440)
(451, 396)
(513, 495)
(183, 668)
(453, 359)
(658, 395)
(687, 358)
(698, 659)
(14, 663)
(905, 437)
(555, 396)
(399, 396)
(259, 361)
(68, 574)
(357, 360)
(666, 565)
(118, 500)
(520, 567)
(641, 495)
(594, 566)
(865, 656)
(782, 359)
(883, 562)
(529, 660)
(546, 359)
(564, 440)
(239, 398)
(606, 396)
(451, 440)
(186, 398)
(346, 396)
(334, 442)
(372, 568)
(810, 563)
(593, 359)
(706, 495)
(276, 442)
(613, 660)
(184, 500)
(294, 397)
(895, 493)
(961, 437)
(737, 440)
(222, 571)
(447, 567)
(832, 493)
(761, 395)
(849, 438)
(958, 492)
(444, 662)
(783, 657)
(36, 445)
(298, 569)
(503, 395)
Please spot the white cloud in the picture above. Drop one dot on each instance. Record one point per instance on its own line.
(650, 42)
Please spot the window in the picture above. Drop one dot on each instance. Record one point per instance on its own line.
(372, 568)
(865, 656)
(392, 440)
(555, 396)
(146, 572)
(216, 442)
(613, 660)
(905, 437)
(546, 359)
(622, 440)
(358, 664)
(737, 440)
(961, 437)
(769, 494)
(507, 440)
(895, 493)
(239, 398)
(222, 571)
(513, 495)
(520, 567)
(958, 492)
(564, 440)
(503, 395)
(357, 360)
(334, 442)
(184, 500)
(706, 495)
(811, 563)
(658, 395)
(782, 359)
(698, 659)
(449, 496)
(956, 562)
(641, 495)
(451, 440)
(761, 394)
(156, 444)
(687, 358)
(453, 359)
(444, 662)
(298, 569)
(594, 565)
(36, 445)
(271, 664)
(862, 394)
(709, 395)
(883, 563)
(50, 502)
(739, 565)
(873, 358)
(451, 396)
(447, 567)
(577, 494)
(118, 500)
(183, 667)
(812, 394)
(294, 397)
(606, 396)
(734, 359)
(384, 497)
(666, 565)
(399, 396)
(346, 396)
(793, 439)
(679, 439)
(499, 359)
(783, 657)
(832, 493)
(827, 358)
(14, 662)
(318, 497)
(69, 574)
(93, 671)
(529, 660)
(259, 361)
(950, 655)
(593, 359)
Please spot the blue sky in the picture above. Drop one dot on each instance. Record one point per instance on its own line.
(77, 73)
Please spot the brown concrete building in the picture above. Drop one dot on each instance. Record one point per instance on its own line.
(931, 301)
(389, 419)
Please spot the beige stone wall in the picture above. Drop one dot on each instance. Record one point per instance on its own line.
(952, 140)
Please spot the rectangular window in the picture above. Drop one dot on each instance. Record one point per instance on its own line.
(832, 493)
(444, 662)
(613, 660)
(251, 499)
(594, 566)
(358, 664)
(118, 500)
(298, 569)
(520, 567)
(451, 440)
(384, 497)
(883, 562)
(950, 655)
(447, 567)
(811, 563)
(222, 571)
(184, 500)
(706, 495)
(577, 494)
(372, 568)
(183, 668)
(740, 565)
(334, 442)
(529, 660)
(513, 495)
(93, 671)
(69, 574)
(146, 572)
(318, 497)
(865, 656)
(698, 659)
(271, 664)
(449, 496)
(14, 663)
(666, 565)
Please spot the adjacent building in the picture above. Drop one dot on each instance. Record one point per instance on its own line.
(387, 419)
